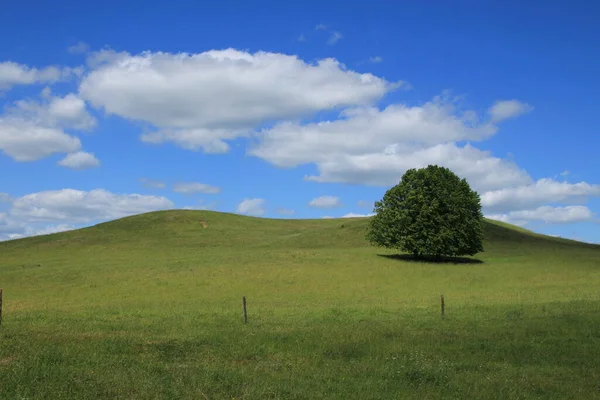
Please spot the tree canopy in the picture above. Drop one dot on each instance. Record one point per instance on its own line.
(431, 212)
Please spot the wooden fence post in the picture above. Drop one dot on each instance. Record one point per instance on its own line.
(443, 307)
(245, 313)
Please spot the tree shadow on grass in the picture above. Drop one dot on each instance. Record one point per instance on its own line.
(429, 259)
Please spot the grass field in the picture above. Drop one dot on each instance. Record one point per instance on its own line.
(149, 307)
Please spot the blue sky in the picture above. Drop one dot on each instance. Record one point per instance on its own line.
(295, 110)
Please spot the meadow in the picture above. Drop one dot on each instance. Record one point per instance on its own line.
(150, 307)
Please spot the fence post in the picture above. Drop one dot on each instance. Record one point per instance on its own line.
(244, 306)
(443, 307)
(0, 306)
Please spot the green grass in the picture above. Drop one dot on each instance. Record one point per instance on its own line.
(149, 307)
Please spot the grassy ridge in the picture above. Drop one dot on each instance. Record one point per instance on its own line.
(149, 307)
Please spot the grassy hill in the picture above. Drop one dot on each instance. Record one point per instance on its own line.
(149, 307)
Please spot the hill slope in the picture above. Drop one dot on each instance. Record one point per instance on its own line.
(149, 307)
(214, 229)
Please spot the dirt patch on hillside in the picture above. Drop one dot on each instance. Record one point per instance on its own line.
(7, 361)
(203, 223)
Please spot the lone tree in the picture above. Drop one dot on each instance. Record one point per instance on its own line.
(431, 212)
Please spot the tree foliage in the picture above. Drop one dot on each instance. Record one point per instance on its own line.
(431, 212)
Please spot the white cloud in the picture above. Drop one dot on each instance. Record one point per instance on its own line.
(211, 141)
(80, 161)
(199, 100)
(26, 141)
(79, 48)
(5, 198)
(70, 111)
(195, 187)
(506, 109)
(77, 206)
(202, 206)
(548, 214)
(152, 184)
(285, 211)
(325, 202)
(362, 131)
(12, 74)
(302, 38)
(65, 112)
(334, 37)
(32, 130)
(538, 193)
(483, 171)
(9, 228)
(253, 207)
(375, 59)
(354, 215)
(32, 231)
(349, 215)
(46, 92)
(60, 210)
(375, 147)
(53, 229)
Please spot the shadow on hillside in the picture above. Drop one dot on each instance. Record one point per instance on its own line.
(441, 260)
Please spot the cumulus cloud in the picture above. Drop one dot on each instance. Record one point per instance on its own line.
(334, 37)
(77, 206)
(31, 130)
(361, 131)
(18, 74)
(46, 92)
(60, 210)
(79, 48)
(80, 161)
(548, 214)
(538, 193)
(507, 109)
(253, 207)
(10, 228)
(12, 74)
(211, 141)
(376, 59)
(199, 100)
(5, 198)
(26, 141)
(325, 202)
(349, 215)
(366, 145)
(26, 231)
(202, 205)
(195, 187)
(64, 112)
(355, 215)
(483, 171)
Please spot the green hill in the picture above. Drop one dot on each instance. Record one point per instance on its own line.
(212, 229)
(149, 306)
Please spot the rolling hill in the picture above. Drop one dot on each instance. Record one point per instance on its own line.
(149, 307)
